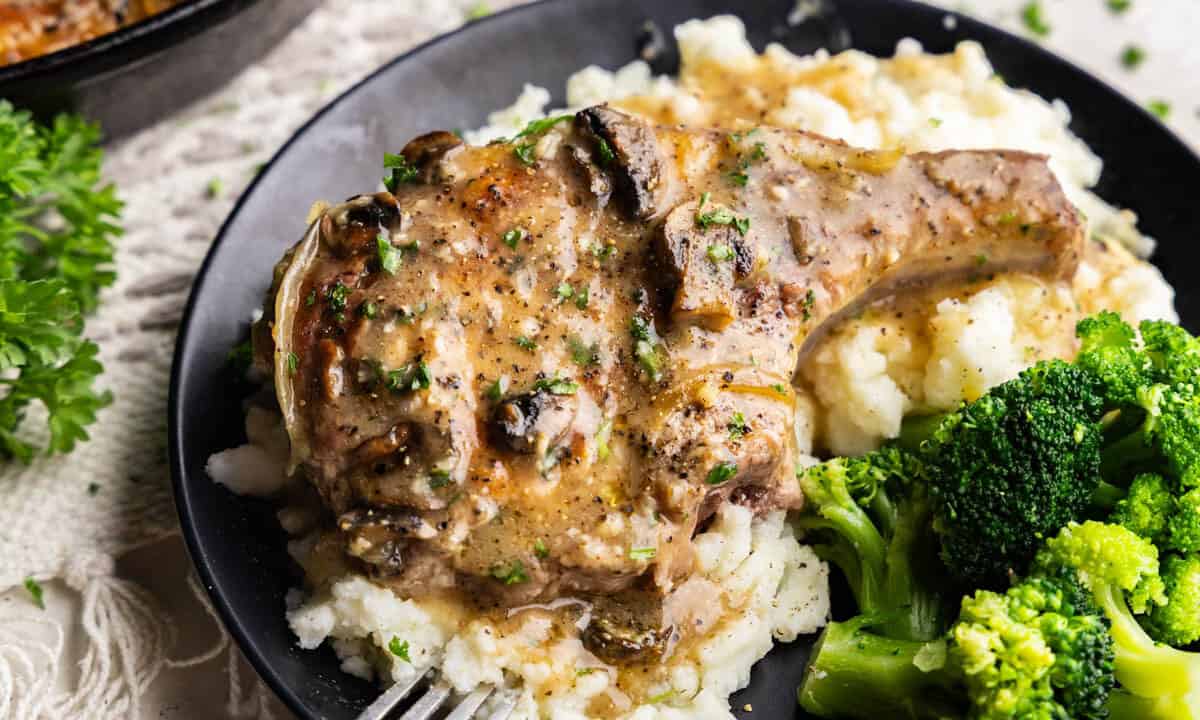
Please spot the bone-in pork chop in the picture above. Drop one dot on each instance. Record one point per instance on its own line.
(533, 368)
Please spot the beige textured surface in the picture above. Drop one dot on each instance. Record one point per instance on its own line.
(48, 521)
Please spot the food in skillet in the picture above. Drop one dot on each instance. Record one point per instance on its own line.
(31, 28)
(582, 405)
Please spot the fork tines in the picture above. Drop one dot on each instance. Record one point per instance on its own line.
(430, 705)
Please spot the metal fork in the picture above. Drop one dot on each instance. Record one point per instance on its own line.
(436, 695)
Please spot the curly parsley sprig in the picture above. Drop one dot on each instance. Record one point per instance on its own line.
(57, 225)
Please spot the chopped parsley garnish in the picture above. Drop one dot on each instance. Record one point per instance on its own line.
(311, 299)
(512, 237)
(564, 291)
(1031, 15)
(540, 549)
(739, 176)
(1132, 56)
(582, 296)
(293, 363)
(399, 649)
(720, 216)
(603, 251)
(582, 353)
(935, 122)
(647, 354)
(661, 697)
(1008, 217)
(602, 436)
(556, 386)
(401, 171)
(438, 478)
(478, 10)
(537, 127)
(645, 347)
(807, 306)
(511, 574)
(368, 310)
(496, 390)
(721, 473)
(93, 488)
(736, 137)
(720, 253)
(737, 426)
(779, 388)
(35, 592)
(552, 458)
(525, 343)
(524, 152)
(213, 188)
(390, 258)
(604, 152)
(1160, 108)
(336, 296)
(410, 378)
(642, 553)
(1119, 6)
(580, 672)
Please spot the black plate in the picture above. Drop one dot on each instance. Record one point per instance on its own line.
(133, 77)
(454, 82)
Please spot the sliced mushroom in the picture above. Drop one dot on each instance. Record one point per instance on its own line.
(427, 151)
(377, 536)
(636, 164)
(597, 180)
(532, 422)
(702, 266)
(627, 627)
(375, 212)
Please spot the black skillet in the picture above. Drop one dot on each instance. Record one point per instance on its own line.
(133, 77)
(454, 82)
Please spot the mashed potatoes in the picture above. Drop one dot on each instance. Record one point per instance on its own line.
(925, 354)
(756, 581)
(759, 583)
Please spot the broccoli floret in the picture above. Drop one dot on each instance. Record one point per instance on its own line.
(1153, 384)
(1032, 652)
(1010, 469)
(1172, 351)
(1159, 509)
(1109, 351)
(1183, 524)
(1167, 438)
(1146, 507)
(856, 673)
(1178, 622)
(870, 517)
(1156, 682)
(1173, 426)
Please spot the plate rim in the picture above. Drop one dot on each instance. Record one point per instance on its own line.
(177, 440)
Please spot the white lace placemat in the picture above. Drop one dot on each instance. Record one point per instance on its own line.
(70, 519)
